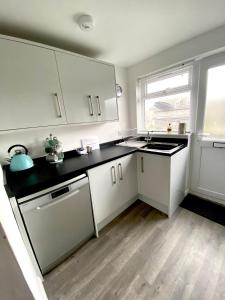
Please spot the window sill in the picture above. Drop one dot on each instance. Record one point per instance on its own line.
(172, 134)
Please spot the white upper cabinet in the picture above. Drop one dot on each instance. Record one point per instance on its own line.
(104, 91)
(88, 89)
(30, 93)
(44, 87)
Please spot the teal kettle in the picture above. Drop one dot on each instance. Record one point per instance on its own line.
(20, 161)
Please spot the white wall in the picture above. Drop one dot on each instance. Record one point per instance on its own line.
(195, 47)
(70, 135)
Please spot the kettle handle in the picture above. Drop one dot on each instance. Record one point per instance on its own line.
(18, 145)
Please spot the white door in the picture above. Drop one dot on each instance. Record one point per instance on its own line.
(30, 93)
(208, 158)
(127, 178)
(154, 177)
(104, 190)
(88, 89)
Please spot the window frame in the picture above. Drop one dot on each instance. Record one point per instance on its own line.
(143, 82)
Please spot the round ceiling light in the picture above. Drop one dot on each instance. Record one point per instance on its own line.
(86, 22)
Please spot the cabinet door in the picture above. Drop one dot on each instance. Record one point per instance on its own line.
(88, 89)
(104, 190)
(104, 91)
(127, 178)
(154, 177)
(77, 87)
(30, 93)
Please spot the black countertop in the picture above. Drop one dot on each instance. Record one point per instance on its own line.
(44, 175)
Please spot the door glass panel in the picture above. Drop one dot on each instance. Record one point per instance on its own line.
(214, 123)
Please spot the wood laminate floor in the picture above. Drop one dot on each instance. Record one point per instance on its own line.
(144, 255)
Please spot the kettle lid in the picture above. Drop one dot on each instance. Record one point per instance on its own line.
(17, 152)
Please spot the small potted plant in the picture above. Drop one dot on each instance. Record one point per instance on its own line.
(53, 149)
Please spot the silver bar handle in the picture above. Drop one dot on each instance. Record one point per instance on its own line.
(58, 105)
(58, 200)
(120, 171)
(142, 164)
(90, 105)
(113, 173)
(219, 145)
(99, 105)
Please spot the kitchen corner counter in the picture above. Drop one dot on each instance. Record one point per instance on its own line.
(44, 175)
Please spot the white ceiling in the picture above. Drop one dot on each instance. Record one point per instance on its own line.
(127, 31)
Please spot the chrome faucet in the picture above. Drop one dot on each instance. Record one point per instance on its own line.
(148, 137)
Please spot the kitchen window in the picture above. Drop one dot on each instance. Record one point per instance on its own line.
(165, 99)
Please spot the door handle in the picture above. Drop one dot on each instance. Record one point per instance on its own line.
(120, 171)
(99, 105)
(58, 200)
(90, 106)
(142, 164)
(58, 105)
(113, 173)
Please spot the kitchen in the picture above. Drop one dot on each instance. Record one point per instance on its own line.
(112, 179)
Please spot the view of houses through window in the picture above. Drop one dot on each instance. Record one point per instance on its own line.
(166, 100)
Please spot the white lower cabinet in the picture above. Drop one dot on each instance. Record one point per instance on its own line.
(158, 180)
(113, 188)
(162, 180)
(154, 177)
